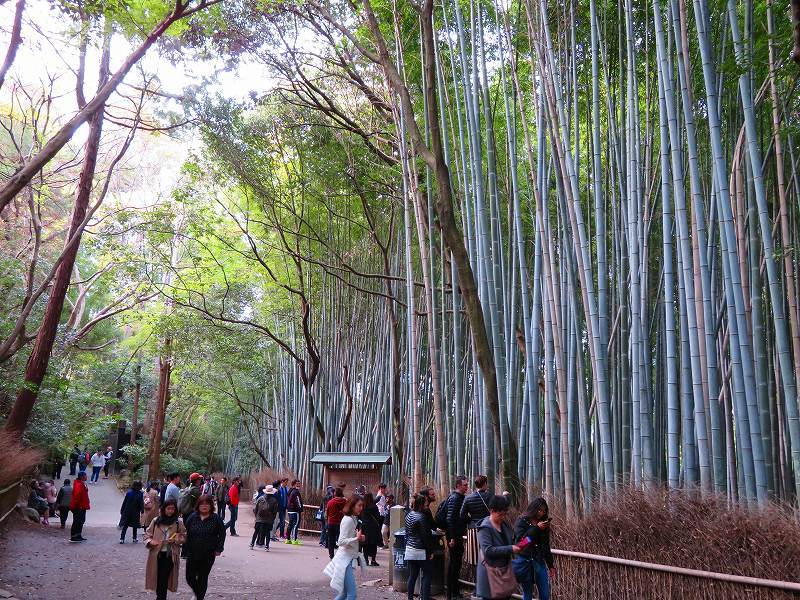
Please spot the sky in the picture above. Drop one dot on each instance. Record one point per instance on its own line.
(44, 55)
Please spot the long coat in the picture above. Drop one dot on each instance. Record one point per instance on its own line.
(152, 512)
(495, 549)
(371, 526)
(153, 538)
(131, 510)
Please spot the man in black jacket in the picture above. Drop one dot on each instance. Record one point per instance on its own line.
(474, 510)
(456, 529)
(476, 506)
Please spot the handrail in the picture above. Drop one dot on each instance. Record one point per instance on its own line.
(789, 586)
(8, 489)
(741, 579)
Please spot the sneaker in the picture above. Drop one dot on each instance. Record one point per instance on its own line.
(135, 541)
(290, 542)
(298, 543)
(266, 548)
(122, 541)
(251, 546)
(74, 540)
(81, 538)
(374, 564)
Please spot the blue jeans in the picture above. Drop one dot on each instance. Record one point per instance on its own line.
(349, 590)
(281, 521)
(414, 569)
(95, 473)
(540, 576)
(294, 524)
(323, 534)
(232, 522)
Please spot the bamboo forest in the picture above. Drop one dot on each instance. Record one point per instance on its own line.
(555, 243)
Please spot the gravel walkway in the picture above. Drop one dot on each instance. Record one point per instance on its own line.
(38, 563)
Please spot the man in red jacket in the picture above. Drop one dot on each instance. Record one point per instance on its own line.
(79, 504)
(233, 504)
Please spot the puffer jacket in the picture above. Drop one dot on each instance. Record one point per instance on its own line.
(418, 532)
(476, 507)
(456, 526)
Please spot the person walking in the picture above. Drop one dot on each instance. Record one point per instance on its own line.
(420, 546)
(294, 509)
(163, 539)
(151, 504)
(534, 564)
(233, 504)
(335, 513)
(62, 502)
(371, 527)
(322, 518)
(265, 510)
(221, 495)
(497, 548)
(131, 511)
(456, 530)
(98, 461)
(380, 502)
(173, 490)
(109, 456)
(58, 464)
(78, 505)
(341, 568)
(386, 519)
(73, 460)
(205, 540)
(474, 510)
(83, 459)
(283, 503)
(187, 500)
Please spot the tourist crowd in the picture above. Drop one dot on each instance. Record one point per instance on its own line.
(189, 522)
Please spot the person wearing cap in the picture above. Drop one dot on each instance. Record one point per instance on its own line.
(265, 510)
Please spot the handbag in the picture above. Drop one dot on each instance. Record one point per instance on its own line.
(502, 582)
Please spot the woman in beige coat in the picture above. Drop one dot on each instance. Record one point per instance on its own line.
(151, 505)
(163, 540)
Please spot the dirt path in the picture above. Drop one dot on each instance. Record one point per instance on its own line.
(38, 563)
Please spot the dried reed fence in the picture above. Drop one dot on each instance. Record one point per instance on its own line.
(679, 530)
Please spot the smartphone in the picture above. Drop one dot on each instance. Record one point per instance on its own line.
(524, 542)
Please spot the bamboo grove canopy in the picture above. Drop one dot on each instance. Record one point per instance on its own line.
(552, 242)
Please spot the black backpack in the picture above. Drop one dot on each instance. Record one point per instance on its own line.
(440, 519)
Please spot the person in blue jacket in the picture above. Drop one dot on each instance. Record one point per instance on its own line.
(283, 504)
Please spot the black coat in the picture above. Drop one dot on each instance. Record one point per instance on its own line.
(539, 548)
(132, 508)
(371, 526)
(204, 537)
(476, 507)
(456, 525)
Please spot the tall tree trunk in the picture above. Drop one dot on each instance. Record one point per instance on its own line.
(162, 401)
(36, 367)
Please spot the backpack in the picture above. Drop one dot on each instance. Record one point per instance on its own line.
(440, 519)
(186, 500)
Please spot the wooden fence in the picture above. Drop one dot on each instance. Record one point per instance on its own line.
(9, 496)
(581, 575)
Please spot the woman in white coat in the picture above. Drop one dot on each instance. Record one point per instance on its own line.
(341, 568)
